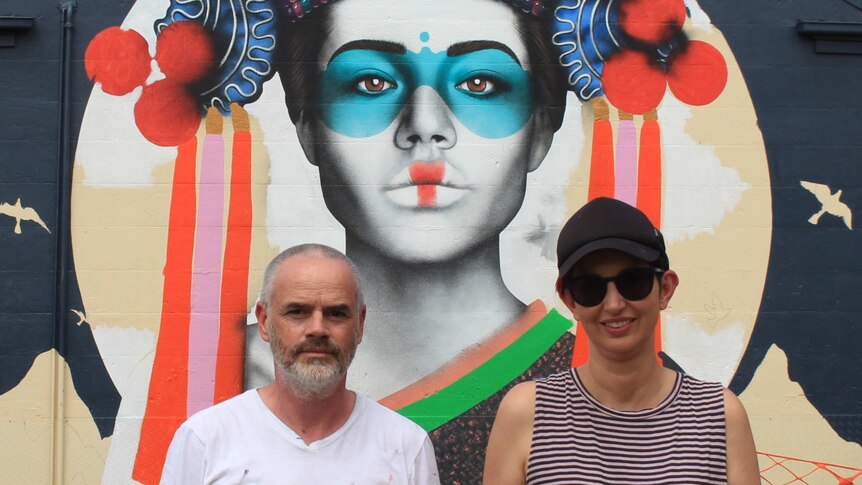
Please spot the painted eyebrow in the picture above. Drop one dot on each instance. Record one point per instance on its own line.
(462, 48)
(386, 46)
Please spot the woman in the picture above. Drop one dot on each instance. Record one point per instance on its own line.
(621, 417)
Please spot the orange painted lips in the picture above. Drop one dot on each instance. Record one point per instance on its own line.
(427, 176)
(426, 185)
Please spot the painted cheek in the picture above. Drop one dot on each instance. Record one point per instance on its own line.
(347, 110)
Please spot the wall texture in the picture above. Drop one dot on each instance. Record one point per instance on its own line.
(445, 173)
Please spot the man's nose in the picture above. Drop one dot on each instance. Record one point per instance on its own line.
(425, 120)
(316, 325)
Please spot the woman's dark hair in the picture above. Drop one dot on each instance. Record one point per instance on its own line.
(300, 43)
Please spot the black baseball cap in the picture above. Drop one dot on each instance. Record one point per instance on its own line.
(606, 223)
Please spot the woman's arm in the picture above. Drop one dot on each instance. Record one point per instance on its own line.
(511, 436)
(742, 466)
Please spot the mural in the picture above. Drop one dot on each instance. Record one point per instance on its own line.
(441, 154)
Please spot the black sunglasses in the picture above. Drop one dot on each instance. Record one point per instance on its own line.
(633, 284)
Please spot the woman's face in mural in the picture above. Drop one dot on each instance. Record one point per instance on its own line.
(424, 131)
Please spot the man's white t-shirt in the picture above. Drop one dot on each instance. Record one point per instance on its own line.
(240, 441)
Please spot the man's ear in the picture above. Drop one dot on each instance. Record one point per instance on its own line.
(543, 136)
(260, 313)
(669, 282)
(305, 134)
(361, 324)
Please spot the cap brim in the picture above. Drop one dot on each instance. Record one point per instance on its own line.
(638, 250)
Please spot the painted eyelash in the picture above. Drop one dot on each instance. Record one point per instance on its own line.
(352, 85)
(500, 86)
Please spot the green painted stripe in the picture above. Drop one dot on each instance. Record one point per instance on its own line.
(437, 409)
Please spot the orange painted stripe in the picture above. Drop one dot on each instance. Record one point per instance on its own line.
(602, 161)
(649, 172)
(231, 345)
(468, 361)
(602, 182)
(166, 400)
(581, 353)
(649, 184)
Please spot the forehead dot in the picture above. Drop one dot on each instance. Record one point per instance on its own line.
(424, 37)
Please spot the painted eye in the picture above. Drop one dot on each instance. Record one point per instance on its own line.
(374, 84)
(478, 85)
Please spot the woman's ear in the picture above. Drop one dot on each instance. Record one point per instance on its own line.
(543, 135)
(669, 282)
(566, 297)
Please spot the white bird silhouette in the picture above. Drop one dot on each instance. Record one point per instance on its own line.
(20, 213)
(82, 318)
(830, 203)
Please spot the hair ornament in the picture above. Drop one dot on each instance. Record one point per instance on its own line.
(296, 9)
(535, 7)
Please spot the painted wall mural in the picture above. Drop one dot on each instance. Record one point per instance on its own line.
(441, 149)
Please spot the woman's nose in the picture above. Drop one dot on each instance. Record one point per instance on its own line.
(614, 301)
(425, 120)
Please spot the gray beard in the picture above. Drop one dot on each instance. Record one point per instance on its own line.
(316, 378)
(313, 379)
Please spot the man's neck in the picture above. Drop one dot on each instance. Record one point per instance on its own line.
(312, 418)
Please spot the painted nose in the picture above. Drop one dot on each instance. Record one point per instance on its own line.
(425, 121)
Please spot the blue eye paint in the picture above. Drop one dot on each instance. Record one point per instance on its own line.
(363, 91)
(424, 36)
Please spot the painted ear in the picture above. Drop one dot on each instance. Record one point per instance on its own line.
(305, 134)
(543, 135)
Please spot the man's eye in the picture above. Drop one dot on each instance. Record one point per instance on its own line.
(374, 84)
(478, 85)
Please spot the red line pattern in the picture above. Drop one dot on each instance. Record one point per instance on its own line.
(785, 470)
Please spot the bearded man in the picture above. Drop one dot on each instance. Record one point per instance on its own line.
(305, 428)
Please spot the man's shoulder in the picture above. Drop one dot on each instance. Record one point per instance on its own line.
(389, 419)
(235, 406)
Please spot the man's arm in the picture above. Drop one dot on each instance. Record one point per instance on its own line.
(511, 436)
(742, 466)
(185, 463)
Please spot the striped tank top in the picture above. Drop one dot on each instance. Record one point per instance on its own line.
(577, 440)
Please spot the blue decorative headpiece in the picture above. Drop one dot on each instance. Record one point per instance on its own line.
(585, 33)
